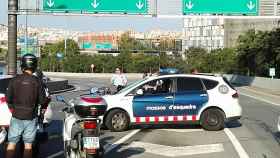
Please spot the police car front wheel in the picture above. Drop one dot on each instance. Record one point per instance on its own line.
(117, 120)
(212, 119)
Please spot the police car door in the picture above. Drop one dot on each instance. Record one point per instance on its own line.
(154, 103)
(190, 96)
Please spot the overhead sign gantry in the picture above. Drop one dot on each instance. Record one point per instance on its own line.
(97, 6)
(225, 7)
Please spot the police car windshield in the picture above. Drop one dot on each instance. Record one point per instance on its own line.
(130, 85)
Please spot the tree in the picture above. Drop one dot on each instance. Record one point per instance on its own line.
(3, 53)
(258, 51)
(195, 58)
(49, 52)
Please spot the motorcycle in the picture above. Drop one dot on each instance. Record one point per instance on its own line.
(81, 126)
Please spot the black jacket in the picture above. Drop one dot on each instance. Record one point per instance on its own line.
(24, 94)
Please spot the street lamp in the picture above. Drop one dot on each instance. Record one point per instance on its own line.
(26, 29)
(157, 44)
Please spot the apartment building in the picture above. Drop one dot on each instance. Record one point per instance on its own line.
(219, 33)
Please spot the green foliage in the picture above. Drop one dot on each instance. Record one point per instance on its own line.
(259, 51)
(129, 61)
(49, 60)
(255, 53)
(217, 61)
(126, 43)
(3, 53)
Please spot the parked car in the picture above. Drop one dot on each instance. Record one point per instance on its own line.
(178, 98)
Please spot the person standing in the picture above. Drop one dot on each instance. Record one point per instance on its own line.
(24, 94)
(194, 71)
(118, 80)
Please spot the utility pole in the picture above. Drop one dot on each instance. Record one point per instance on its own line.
(12, 36)
(26, 32)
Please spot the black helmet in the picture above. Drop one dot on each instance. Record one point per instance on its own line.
(28, 62)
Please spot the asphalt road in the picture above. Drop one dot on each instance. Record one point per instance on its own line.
(254, 136)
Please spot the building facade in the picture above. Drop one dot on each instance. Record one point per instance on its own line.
(221, 33)
(204, 33)
(213, 33)
(269, 7)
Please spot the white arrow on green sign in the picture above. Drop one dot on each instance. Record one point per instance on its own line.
(97, 6)
(234, 7)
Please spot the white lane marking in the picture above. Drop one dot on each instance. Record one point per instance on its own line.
(169, 151)
(259, 92)
(109, 148)
(182, 130)
(56, 154)
(260, 99)
(238, 147)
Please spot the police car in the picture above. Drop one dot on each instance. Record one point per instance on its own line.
(4, 110)
(177, 98)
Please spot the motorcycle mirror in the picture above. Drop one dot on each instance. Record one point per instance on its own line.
(67, 110)
(139, 92)
(60, 98)
(93, 90)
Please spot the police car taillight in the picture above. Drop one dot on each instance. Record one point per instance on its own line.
(235, 95)
(2, 100)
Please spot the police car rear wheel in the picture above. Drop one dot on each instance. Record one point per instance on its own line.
(117, 120)
(212, 120)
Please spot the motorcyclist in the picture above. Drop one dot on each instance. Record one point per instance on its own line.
(24, 94)
(43, 108)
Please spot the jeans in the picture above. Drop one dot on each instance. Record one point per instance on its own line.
(25, 128)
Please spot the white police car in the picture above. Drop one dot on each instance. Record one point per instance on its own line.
(5, 117)
(179, 98)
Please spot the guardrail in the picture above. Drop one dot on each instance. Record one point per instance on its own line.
(91, 75)
(55, 85)
(4, 81)
(262, 82)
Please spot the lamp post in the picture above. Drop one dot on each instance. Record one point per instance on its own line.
(12, 36)
(26, 29)
(157, 44)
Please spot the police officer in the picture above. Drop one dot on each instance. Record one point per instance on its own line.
(24, 95)
(118, 80)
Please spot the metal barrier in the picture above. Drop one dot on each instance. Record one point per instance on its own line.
(54, 86)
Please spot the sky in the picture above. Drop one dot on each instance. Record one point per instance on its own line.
(96, 24)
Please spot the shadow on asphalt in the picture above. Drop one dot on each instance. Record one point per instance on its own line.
(124, 151)
(276, 136)
(170, 126)
(233, 124)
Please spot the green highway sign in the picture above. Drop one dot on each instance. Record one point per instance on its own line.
(97, 6)
(105, 45)
(235, 7)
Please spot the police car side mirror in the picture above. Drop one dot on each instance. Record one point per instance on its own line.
(139, 92)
